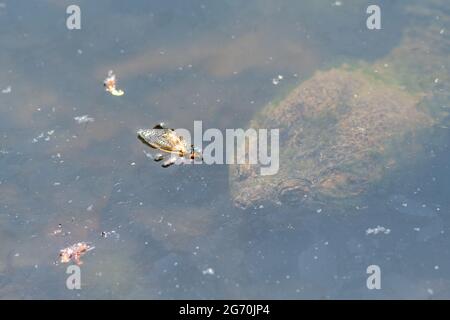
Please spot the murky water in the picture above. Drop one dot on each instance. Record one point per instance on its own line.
(173, 233)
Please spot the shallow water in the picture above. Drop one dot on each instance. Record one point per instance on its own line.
(174, 232)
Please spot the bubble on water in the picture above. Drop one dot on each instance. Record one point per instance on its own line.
(83, 119)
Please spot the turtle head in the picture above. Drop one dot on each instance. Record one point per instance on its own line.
(294, 191)
(256, 191)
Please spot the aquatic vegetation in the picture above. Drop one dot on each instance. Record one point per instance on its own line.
(75, 252)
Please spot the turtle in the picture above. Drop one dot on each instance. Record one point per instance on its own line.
(167, 140)
(356, 129)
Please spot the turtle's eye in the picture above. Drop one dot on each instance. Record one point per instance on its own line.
(292, 196)
(293, 191)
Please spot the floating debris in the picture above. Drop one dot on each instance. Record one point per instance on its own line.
(167, 140)
(8, 89)
(277, 80)
(39, 137)
(59, 231)
(110, 234)
(75, 252)
(110, 84)
(410, 206)
(83, 119)
(208, 271)
(377, 230)
(43, 136)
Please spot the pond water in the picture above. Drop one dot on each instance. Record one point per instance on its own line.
(174, 233)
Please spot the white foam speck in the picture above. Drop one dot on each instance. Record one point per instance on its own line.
(377, 230)
(208, 271)
(83, 119)
(8, 89)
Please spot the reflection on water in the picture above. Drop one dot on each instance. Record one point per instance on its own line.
(179, 236)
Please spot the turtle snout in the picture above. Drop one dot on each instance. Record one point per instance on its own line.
(294, 191)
